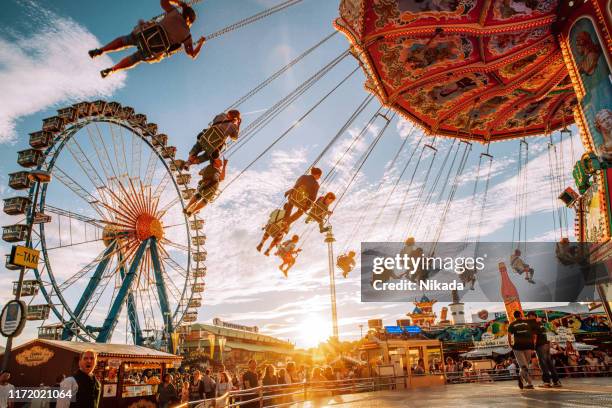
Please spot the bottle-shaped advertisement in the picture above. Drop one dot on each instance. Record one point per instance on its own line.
(509, 293)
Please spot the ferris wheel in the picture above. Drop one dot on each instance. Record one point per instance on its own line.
(115, 245)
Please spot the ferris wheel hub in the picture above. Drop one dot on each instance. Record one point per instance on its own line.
(148, 226)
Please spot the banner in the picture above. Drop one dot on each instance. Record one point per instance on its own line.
(211, 342)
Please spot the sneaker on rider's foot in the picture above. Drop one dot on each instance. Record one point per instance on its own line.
(105, 72)
(545, 385)
(259, 247)
(96, 52)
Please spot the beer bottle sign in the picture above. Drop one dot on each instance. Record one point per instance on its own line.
(509, 293)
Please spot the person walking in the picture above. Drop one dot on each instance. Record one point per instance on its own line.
(196, 387)
(166, 392)
(250, 379)
(209, 385)
(522, 340)
(82, 385)
(549, 374)
(5, 389)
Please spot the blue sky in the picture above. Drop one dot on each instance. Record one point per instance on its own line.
(44, 66)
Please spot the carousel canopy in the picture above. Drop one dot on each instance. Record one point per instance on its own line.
(483, 70)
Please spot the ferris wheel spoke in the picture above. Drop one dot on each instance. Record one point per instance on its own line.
(81, 159)
(91, 287)
(168, 206)
(161, 186)
(118, 149)
(73, 244)
(151, 165)
(174, 225)
(174, 264)
(136, 156)
(76, 188)
(172, 288)
(176, 245)
(162, 292)
(97, 142)
(79, 217)
(115, 310)
(82, 272)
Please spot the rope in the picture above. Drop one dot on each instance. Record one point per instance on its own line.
(451, 194)
(384, 206)
(277, 74)
(484, 201)
(252, 19)
(519, 225)
(332, 173)
(405, 198)
(343, 129)
(260, 122)
(413, 213)
(362, 162)
(286, 132)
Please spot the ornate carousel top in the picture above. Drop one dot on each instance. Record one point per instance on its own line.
(484, 70)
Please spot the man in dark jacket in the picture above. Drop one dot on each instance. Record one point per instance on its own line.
(302, 195)
(543, 352)
(83, 387)
(522, 340)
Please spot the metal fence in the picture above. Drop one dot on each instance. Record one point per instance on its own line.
(284, 395)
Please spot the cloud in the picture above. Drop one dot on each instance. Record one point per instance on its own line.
(47, 67)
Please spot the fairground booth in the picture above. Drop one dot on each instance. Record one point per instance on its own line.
(410, 355)
(129, 374)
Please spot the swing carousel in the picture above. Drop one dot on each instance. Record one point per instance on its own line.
(460, 72)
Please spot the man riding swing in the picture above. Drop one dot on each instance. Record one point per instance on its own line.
(155, 40)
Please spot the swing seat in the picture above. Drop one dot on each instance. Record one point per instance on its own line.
(209, 194)
(212, 140)
(277, 228)
(299, 198)
(317, 213)
(152, 41)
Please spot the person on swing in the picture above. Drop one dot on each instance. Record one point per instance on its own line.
(276, 228)
(320, 210)
(287, 252)
(346, 262)
(212, 176)
(302, 195)
(520, 266)
(155, 40)
(225, 125)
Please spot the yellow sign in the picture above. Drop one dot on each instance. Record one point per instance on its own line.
(24, 256)
(34, 356)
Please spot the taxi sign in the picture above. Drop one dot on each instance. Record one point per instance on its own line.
(24, 256)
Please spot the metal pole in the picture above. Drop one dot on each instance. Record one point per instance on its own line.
(9, 340)
(329, 239)
(604, 301)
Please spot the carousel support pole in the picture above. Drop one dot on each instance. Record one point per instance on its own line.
(329, 239)
(601, 290)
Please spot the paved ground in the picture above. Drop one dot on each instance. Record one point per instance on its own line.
(583, 392)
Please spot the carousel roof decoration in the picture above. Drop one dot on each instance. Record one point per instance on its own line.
(484, 70)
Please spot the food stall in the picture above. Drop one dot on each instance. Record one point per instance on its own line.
(397, 357)
(128, 374)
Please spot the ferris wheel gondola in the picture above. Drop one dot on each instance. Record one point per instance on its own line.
(113, 239)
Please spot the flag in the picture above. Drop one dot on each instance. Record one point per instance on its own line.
(211, 342)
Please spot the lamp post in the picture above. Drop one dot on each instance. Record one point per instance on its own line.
(361, 331)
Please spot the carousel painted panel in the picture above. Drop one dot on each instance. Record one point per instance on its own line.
(593, 68)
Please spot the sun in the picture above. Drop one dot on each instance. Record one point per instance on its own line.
(314, 330)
